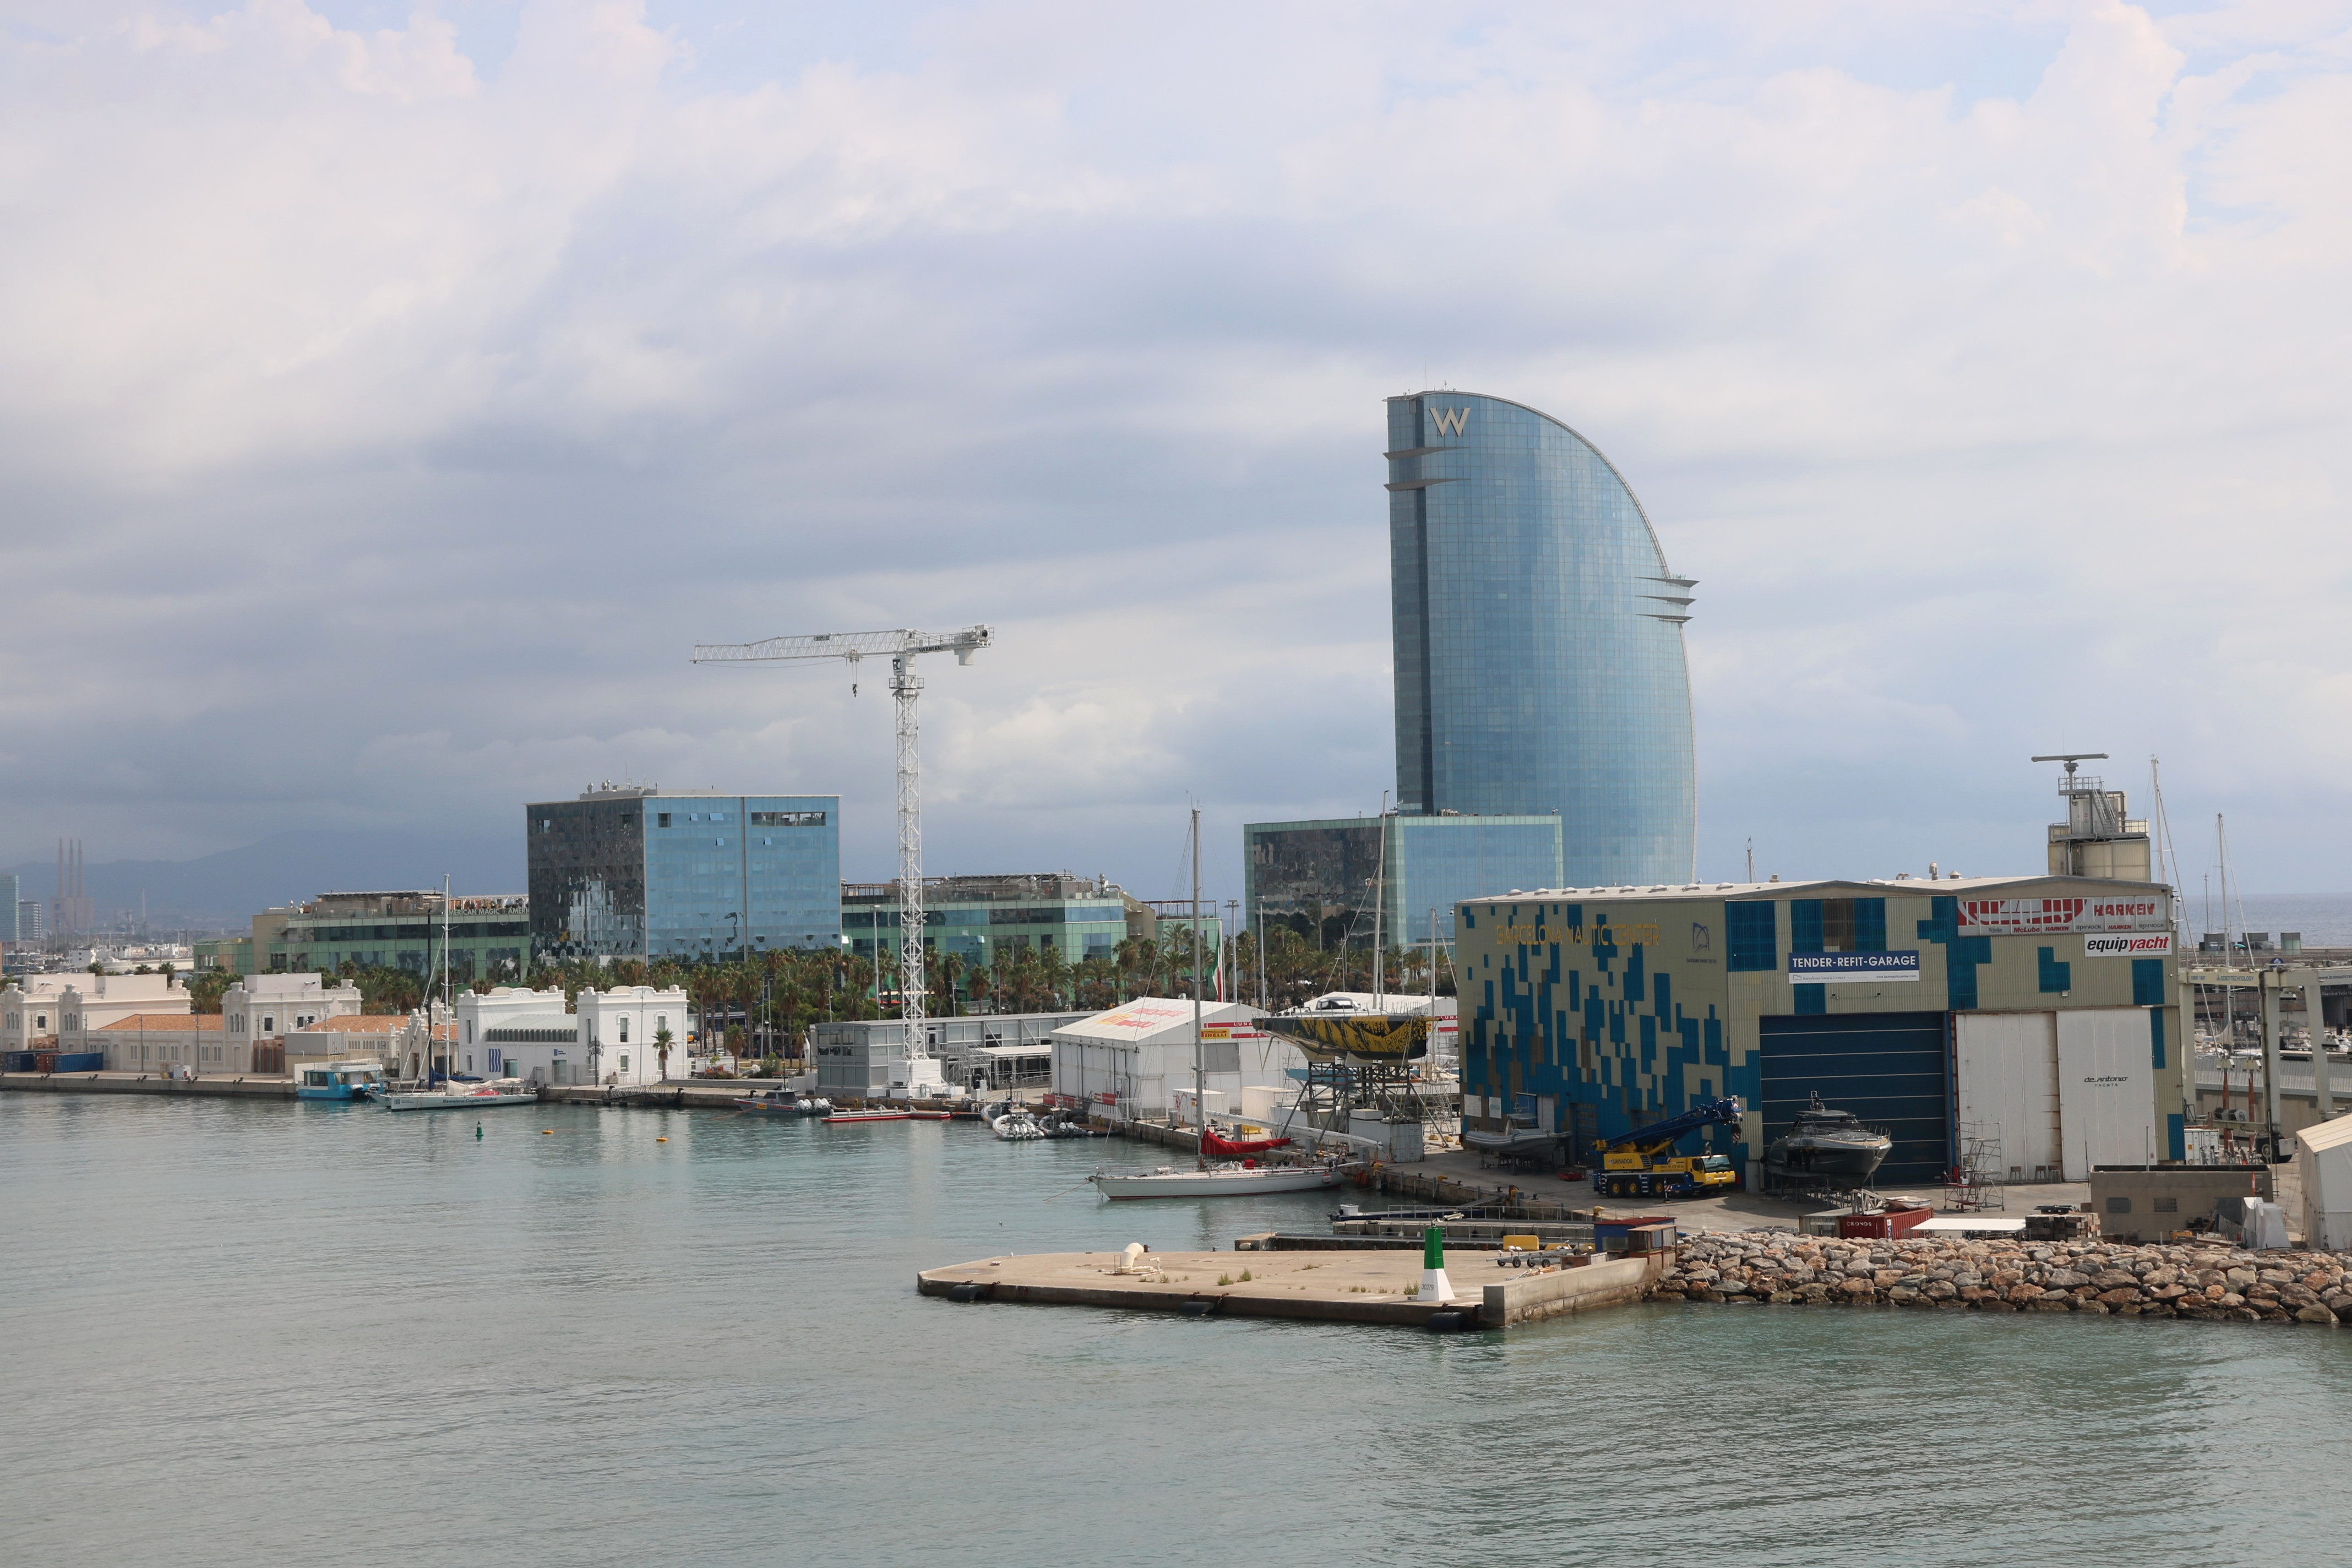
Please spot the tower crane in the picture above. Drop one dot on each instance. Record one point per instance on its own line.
(899, 648)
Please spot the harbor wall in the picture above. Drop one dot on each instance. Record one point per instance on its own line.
(2214, 1283)
(1583, 1289)
(243, 1086)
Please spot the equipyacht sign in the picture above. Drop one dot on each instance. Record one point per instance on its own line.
(2143, 945)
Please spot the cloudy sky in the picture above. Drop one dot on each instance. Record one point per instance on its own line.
(390, 397)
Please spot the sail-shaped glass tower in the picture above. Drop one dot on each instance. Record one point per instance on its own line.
(1540, 663)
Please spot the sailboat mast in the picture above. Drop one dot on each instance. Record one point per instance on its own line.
(1380, 906)
(1200, 1097)
(448, 1003)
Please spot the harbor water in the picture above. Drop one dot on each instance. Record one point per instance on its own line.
(243, 1333)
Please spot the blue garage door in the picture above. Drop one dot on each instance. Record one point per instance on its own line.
(1888, 1068)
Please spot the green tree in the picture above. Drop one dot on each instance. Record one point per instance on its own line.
(204, 988)
(661, 1051)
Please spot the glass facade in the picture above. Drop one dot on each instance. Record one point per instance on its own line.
(977, 918)
(1317, 878)
(1540, 664)
(634, 873)
(489, 938)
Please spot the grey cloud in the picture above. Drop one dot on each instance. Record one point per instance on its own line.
(377, 432)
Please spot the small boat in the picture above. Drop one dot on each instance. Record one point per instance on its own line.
(783, 1103)
(842, 1115)
(1065, 1127)
(1519, 1142)
(1222, 1181)
(461, 1096)
(1018, 1127)
(339, 1080)
(1822, 1144)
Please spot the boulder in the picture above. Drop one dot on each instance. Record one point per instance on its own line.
(2314, 1314)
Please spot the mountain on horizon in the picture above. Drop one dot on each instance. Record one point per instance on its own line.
(227, 890)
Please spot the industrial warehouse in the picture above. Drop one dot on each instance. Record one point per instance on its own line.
(2035, 1016)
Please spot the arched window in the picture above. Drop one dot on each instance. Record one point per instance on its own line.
(625, 1028)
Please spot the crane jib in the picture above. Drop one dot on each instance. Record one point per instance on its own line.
(850, 646)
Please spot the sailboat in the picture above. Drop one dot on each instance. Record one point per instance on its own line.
(1227, 1178)
(452, 1095)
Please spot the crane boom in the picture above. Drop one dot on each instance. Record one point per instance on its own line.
(899, 647)
(850, 646)
(1660, 1136)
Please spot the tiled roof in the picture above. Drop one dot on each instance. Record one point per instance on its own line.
(165, 1023)
(361, 1024)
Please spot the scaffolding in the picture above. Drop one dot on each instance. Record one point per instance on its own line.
(1975, 1184)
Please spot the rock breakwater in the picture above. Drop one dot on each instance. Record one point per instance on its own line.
(2217, 1282)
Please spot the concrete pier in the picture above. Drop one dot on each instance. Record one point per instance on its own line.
(243, 1086)
(1347, 1287)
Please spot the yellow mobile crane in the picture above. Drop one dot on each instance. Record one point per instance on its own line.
(1643, 1164)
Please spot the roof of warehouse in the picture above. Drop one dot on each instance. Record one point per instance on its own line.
(1942, 886)
(1149, 1015)
(165, 1023)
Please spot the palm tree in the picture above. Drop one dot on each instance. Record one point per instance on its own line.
(945, 968)
(661, 1051)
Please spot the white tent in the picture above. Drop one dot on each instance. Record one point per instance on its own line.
(2322, 1159)
(1137, 1057)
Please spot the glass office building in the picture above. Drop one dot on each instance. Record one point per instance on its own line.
(487, 937)
(1540, 662)
(1319, 877)
(979, 918)
(639, 873)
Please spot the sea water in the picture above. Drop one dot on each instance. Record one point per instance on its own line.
(259, 1333)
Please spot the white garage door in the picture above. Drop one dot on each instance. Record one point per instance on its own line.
(2007, 1070)
(2106, 1088)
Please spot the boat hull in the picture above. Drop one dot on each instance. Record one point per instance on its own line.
(839, 1117)
(1222, 1183)
(1838, 1161)
(454, 1101)
(1523, 1148)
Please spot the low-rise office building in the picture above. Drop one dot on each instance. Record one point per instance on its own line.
(640, 872)
(485, 936)
(978, 918)
(985, 1052)
(2035, 1018)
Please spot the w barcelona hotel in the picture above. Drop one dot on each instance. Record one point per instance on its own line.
(1543, 712)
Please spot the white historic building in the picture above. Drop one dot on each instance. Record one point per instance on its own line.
(613, 1037)
(44, 1012)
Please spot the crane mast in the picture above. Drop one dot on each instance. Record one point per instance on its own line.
(900, 648)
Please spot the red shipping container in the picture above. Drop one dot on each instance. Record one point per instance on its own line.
(1886, 1225)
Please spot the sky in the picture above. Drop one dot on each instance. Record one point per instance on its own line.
(391, 396)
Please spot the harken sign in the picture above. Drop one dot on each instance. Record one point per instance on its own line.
(2026, 916)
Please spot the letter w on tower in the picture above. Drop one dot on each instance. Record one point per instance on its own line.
(1450, 421)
